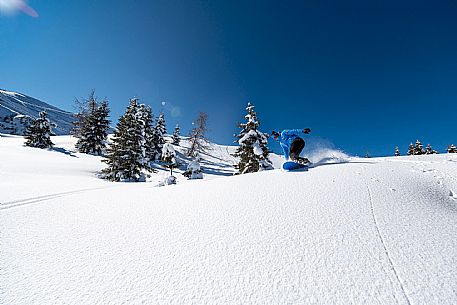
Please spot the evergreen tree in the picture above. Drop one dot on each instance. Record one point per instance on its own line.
(176, 137)
(429, 150)
(198, 143)
(194, 170)
(146, 118)
(159, 134)
(169, 160)
(397, 151)
(253, 151)
(126, 156)
(94, 131)
(452, 149)
(82, 114)
(38, 133)
(419, 148)
(411, 149)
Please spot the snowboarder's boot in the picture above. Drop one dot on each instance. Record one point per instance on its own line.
(302, 160)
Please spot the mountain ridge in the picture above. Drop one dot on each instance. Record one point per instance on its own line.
(17, 110)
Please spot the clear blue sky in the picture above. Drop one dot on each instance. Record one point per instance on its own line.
(366, 75)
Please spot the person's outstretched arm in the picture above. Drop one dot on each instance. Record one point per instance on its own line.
(291, 132)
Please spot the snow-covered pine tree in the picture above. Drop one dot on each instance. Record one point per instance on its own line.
(126, 157)
(429, 150)
(194, 170)
(146, 118)
(38, 133)
(81, 115)
(176, 137)
(93, 134)
(85, 117)
(410, 149)
(452, 149)
(169, 160)
(159, 134)
(198, 143)
(103, 111)
(397, 151)
(253, 151)
(419, 148)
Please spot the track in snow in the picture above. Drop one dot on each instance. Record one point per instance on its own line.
(392, 266)
(27, 201)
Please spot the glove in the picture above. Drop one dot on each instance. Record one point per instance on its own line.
(306, 130)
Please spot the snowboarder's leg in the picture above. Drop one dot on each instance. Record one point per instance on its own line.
(285, 149)
(296, 147)
(295, 150)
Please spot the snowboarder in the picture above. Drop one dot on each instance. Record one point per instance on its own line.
(292, 144)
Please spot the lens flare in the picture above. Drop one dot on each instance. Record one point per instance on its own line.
(10, 7)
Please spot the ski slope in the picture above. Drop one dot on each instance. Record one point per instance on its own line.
(365, 231)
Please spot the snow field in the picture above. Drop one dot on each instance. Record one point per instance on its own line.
(368, 231)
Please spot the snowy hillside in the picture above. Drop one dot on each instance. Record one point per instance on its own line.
(62, 169)
(364, 231)
(17, 110)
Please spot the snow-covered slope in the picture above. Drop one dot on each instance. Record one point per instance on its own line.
(17, 110)
(31, 172)
(367, 231)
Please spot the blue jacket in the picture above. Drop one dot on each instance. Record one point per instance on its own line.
(286, 139)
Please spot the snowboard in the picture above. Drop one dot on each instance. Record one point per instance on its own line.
(294, 166)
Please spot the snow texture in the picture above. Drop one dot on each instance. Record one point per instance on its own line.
(376, 231)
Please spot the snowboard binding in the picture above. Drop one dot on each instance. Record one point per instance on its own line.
(301, 160)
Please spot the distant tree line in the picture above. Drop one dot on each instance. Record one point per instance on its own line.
(138, 141)
(418, 149)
